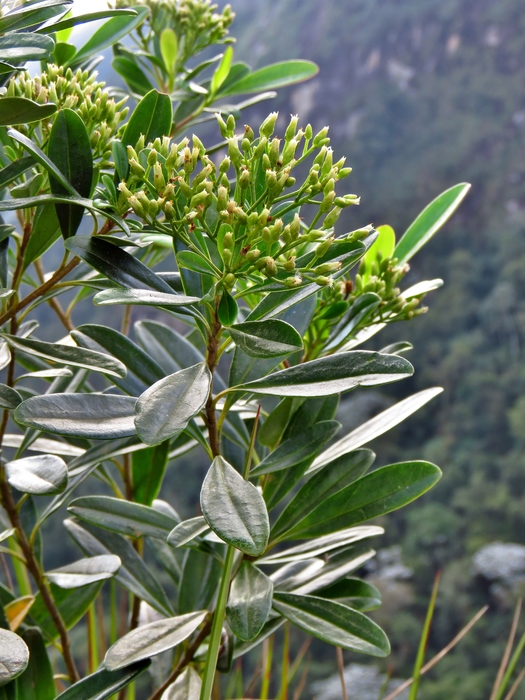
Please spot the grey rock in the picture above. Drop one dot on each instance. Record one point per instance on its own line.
(362, 682)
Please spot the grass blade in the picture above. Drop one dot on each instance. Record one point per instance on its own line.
(420, 658)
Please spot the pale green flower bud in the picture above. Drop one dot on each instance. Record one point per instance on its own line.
(198, 199)
(132, 153)
(295, 227)
(234, 152)
(140, 143)
(222, 126)
(169, 211)
(158, 178)
(240, 215)
(289, 151)
(252, 255)
(227, 256)
(289, 134)
(293, 281)
(227, 241)
(197, 143)
(268, 125)
(320, 157)
(260, 148)
(137, 206)
(289, 265)
(246, 145)
(153, 208)
(172, 158)
(123, 188)
(245, 179)
(187, 191)
(327, 202)
(266, 162)
(274, 151)
(230, 123)
(263, 217)
(327, 268)
(332, 217)
(224, 166)
(320, 139)
(229, 280)
(324, 281)
(323, 247)
(222, 198)
(329, 187)
(266, 235)
(271, 268)
(136, 168)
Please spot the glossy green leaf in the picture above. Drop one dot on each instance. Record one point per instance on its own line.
(20, 110)
(71, 603)
(132, 73)
(187, 531)
(36, 682)
(298, 448)
(431, 219)
(40, 475)
(163, 410)
(103, 684)
(271, 431)
(234, 509)
(272, 77)
(222, 71)
(361, 309)
(133, 574)
(124, 517)
(195, 262)
(69, 149)
(228, 309)
(332, 375)
(271, 338)
(421, 288)
(169, 49)
(333, 623)
(142, 297)
(46, 230)
(14, 170)
(109, 33)
(77, 20)
(14, 656)
(152, 639)
(31, 14)
(187, 686)
(380, 492)
(152, 117)
(249, 602)
(85, 571)
(25, 46)
(96, 416)
(116, 264)
(201, 575)
(375, 427)
(68, 355)
(384, 244)
(9, 398)
(355, 593)
(147, 469)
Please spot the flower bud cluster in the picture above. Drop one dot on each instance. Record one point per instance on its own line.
(79, 91)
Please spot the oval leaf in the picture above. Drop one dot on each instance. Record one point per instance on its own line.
(272, 338)
(19, 110)
(250, 602)
(9, 398)
(39, 475)
(152, 639)
(234, 509)
(85, 571)
(14, 656)
(163, 410)
(152, 117)
(187, 686)
(103, 684)
(187, 531)
(273, 76)
(142, 297)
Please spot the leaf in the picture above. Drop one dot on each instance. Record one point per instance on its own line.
(298, 448)
(68, 355)
(147, 469)
(222, 71)
(14, 656)
(40, 475)
(421, 288)
(169, 49)
(333, 623)
(354, 593)
(363, 306)
(36, 682)
(234, 509)
(228, 309)
(152, 639)
(163, 410)
(77, 20)
(25, 46)
(96, 416)
(133, 574)
(195, 262)
(142, 297)
(14, 170)
(152, 117)
(200, 579)
(124, 517)
(384, 244)
(71, 603)
(45, 231)
(375, 427)
(133, 74)
(187, 686)
(431, 219)
(272, 77)
(271, 338)
(17, 610)
(9, 398)
(378, 493)
(272, 430)
(103, 684)
(31, 14)
(20, 110)
(249, 602)
(85, 571)
(116, 264)
(188, 530)
(108, 34)
(332, 375)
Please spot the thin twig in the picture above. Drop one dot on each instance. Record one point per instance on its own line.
(508, 650)
(515, 685)
(341, 669)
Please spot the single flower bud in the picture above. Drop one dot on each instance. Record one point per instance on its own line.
(252, 255)
(222, 198)
(289, 134)
(327, 202)
(260, 148)
(234, 152)
(332, 217)
(227, 241)
(324, 281)
(222, 126)
(152, 157)
(289, 151)
(320, 139)
(227, 256)
(294, 281)
(169, 211)
(268, 125)
(323, 247)
(229, 280)
(289, 265)
(274, 151)
(271, 268)
(327, 268)
(245, 179)
(158, 178)
(224, 166)
(248, 133)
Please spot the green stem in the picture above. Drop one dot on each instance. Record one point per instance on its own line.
(216, 630)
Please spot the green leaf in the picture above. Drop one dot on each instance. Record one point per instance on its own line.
(298, 448)
(77, 20)
(45, 231)
(380, 492)
(355, 593)
(31, 14)
(103, 684)
(375, 427)
(40, 475)
(333, 477)
(133, 74)
(25, 46)
(85, 571)
(201, 575)
(71, 603)
(68, 355)
(249, 602)
(133, 574)
(124, 517)
(70, 150)
(333, 623)
(234, 509)
(195, 262)
(272, 430)
(36, 682)
(187, 531)
(14, 170)
(20, 110)
(431, 219)
(222, 71)
(228, 309)
(14, 656)
(9, 398)
(148, 468)
(421, 288)
(332, 375)
(271, 338)
(142, 297)
(164, 410)
(152, 117)
(272, 77)
(169, 49)
(384, 244)
(95, 416)
(187, 686)
(108, 34)
(363, 306)
(152, 639)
